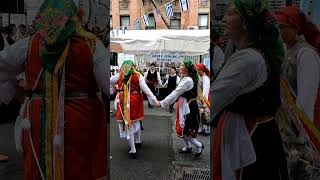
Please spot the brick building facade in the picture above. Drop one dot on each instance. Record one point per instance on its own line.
(124, 13)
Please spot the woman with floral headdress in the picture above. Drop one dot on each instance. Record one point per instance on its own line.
(246, 92)
(129, 103)
(188, 118)
(61, 128)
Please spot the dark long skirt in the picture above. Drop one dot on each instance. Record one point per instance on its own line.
(271, 161)
(192, 120)
(270, 157)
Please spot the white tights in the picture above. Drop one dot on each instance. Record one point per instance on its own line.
(193, 141)
(132, 139)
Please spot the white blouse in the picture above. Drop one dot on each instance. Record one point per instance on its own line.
(144, 87)
(177, 81)
(308, 78)
(243, 72)
(205, 85)
(185, 84)
(13, 57)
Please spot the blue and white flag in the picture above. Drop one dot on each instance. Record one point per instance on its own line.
(169, 9)
(137, 24)
(184, 5)
(146, 20)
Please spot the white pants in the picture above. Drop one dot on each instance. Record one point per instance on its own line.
(134, 128)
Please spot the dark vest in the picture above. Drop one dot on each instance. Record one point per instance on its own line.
(152, 77)
(172, 82)
(264, 101)
(192, 93)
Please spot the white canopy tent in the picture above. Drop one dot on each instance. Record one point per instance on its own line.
(183, 42)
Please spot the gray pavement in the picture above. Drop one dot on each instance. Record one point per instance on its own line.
(11, 170)
(156, 160)
(159, 155)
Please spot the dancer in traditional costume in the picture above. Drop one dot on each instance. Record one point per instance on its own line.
(152, 78)
(301, 67)
(204, 102)
(61, 128)
(171, 83)
(247, 141)
(299, 118)
(188, 118)
(129, 101)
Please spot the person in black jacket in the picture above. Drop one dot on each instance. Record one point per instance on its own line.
(171, 83)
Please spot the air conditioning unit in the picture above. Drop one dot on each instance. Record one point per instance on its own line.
(193, 27)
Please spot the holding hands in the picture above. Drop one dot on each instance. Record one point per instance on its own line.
(158, 103)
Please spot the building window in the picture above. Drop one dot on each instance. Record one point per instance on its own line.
(152, 22)
(145, 2)
(203, 21)
(125, 21)
(175, 22)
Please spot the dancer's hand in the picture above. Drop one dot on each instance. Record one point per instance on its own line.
(157, 103)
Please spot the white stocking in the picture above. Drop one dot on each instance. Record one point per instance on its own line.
(197, 143)
(207, 128)
(131, 144)
(188, 145)
(137, 136)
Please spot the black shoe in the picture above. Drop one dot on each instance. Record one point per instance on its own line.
(138, 145)
(133, 155)
(201, 132)
(186, 151)
(150, 106)
(171, 110)
(199, 154)
(206, 134)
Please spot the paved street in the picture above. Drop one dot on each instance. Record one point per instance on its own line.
(156, 160)
(159, 155)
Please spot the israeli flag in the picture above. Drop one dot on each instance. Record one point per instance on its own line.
(184, 5)
(169, 9)
(146, 20)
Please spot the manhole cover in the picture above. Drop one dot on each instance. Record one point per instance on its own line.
(191, 173)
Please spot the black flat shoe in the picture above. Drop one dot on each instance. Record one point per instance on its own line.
(199, 154)
(138, 145)
(201, 132)
(186, 151)
(206, 134)
(133, 155)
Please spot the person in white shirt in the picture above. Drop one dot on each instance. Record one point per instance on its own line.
(301, 67)
(187, 121)
(245, 97)
(171, 84)
(152, 78)
(204, 103)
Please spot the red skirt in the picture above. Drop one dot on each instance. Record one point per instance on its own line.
(85, 140)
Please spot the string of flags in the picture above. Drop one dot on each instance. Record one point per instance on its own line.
(184, 6)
